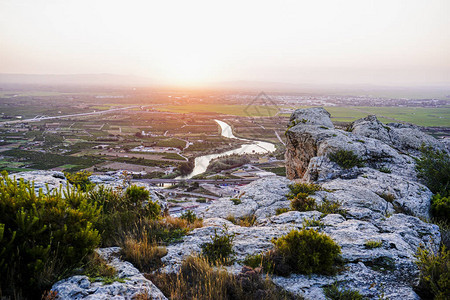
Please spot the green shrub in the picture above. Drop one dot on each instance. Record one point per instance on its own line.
(122, 211)
(97, 269)
(381, 264)
(330, 207)
(346, 159)
(41, 236)
(80, 180)
(305, 188)
(236, 201)
(440, 207)
(333, 292)
(308, 251)
(301, 202)
(433, 167)
(244, 221)
(385, 170)
(373, 244)
(312, 223)
(280, 211)
(189, 216)
(220, 249)
(434, 273)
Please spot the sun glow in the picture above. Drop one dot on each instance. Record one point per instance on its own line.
(190, 42)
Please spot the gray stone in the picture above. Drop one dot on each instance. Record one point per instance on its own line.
(79, 287)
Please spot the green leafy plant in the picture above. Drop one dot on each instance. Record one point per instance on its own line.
(440, 207)
(305, 188)
(236, 201)
(301, 202)
(122, 211)
(42, 235)
(385, 170)
(346, 159)
(80, 180)
(312, 223)
(433, 167)
(280, 211)
(220, 249)
(371, 244)
(333, 292)
(308, 251)
(189, 216)
(434, 273)
(330, 207)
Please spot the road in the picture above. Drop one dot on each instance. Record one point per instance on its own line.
(168, 191)
(214, 181)
(279, 138)
(70, 116)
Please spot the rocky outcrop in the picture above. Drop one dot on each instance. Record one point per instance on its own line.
(389, 166)
(389, 268)
(132, 284)
(260, 198)
(406, 138)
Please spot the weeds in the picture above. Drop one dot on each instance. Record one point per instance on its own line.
(198, 280)
(371, 244)
(333, 292)
(220, 249)
(434, 273)
(245, 221)
(346, 159)
(143, 254)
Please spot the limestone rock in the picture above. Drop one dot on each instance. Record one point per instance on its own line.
(79, 287)
(312, 116)
(260, 198)
(404, 138)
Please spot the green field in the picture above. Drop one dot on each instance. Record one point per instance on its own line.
(416, 115)
(236, 110)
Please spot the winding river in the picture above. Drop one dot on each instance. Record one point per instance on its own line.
(202, 162)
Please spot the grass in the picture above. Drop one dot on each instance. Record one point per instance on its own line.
(333, 292)
(245, 221)
(143, 254)
(199, 280)
(371, 244)
(416, 115)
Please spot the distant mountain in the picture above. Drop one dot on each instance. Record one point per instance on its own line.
(72, 79)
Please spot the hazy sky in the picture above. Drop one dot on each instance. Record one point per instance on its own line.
(194, 42)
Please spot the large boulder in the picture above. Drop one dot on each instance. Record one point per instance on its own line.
(406, 138)
(133, 284)
(261, 198)
(312, 116)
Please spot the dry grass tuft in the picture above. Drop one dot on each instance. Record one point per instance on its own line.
(143, 254)
(199, 280)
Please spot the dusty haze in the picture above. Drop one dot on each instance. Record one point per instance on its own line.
(200, 42)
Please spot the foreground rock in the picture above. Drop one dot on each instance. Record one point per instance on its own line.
(134, 283)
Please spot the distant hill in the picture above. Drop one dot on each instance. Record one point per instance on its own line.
(72, 79)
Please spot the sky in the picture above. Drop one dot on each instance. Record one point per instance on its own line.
(195, 42)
